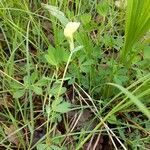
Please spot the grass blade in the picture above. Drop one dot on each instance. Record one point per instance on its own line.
(57, 13)
(137, 24)
(134, 99)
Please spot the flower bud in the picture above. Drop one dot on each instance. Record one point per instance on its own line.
(70, 28)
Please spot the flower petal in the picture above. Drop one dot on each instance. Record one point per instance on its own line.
(70, 28)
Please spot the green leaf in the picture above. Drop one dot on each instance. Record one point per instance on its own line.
(25, 80)
(86, 66)
(60, 106)
(56, 13)
(57, 102)
(43, 147)
(78, 48)
(19, 93)
(137, 24)
(34, 76)
(147, 52)
(112, 119)
(47, 147)
(42, 82)
(50, 56)
(37, 90)
(16, 86)
(56, 56)
(134, 99)
(60, 55)
(48, 109)
(63, 107)
(55, 89)
(103, 8)
(86, 18)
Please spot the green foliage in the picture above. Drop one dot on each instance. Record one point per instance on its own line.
(147, 52)
(57, 13)
(103, 8)
(36, 85)
(135, 100)
(56, 98)
(46, 147)
(137, 24)
(85, 18)
(56, 56)
(61, 106)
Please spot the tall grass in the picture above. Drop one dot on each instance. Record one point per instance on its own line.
(23, 67)
(137, 24)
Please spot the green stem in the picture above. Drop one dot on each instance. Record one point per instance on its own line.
(71, 42)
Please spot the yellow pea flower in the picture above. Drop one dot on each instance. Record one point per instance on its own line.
(69, 30)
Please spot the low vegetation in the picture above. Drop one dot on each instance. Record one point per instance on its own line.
(75, 74)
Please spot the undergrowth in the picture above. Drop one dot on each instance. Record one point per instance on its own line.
(91, 91)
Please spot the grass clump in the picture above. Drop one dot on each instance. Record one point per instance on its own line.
(74, 75)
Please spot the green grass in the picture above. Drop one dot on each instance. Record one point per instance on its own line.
(56, 99)
(137, 24)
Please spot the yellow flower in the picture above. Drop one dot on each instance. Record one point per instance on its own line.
(70, 28)
(121, 4)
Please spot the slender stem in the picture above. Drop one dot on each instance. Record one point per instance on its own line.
(64, 74)
(71, 42)
(29, 84)
(62, 81)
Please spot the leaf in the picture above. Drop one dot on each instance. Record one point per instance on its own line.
(57, 102)
(18, 93)
(48, 109)
(86, 18)
(78, 48)
(55, 89)
(15, 86)
(59, 55)
(37, 90)
(103, 8)
(42, 82)
(112, 119)
(86, 66)
(50, 58)
(147, 52)
(13, 138)
(63, 107)
(46, 147)
(60, 106)
(137, 24)
(56, 13)
(34, 77)
(134, 99)
(43, 147)
(25, 80)
(56, 56)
